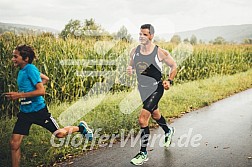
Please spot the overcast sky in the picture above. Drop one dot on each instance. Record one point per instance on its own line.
(167, 16)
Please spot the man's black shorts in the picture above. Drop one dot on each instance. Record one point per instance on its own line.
(41, 117)
(151, 95)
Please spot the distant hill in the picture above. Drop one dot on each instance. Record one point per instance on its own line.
(231, 33)
(19, 28)
(234, 33)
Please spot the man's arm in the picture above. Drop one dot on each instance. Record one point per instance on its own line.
(130, 68)
(165, 56)
(39, 91)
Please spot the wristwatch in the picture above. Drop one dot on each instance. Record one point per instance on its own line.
(171, 81)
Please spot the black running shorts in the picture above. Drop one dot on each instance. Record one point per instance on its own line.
(42, 118)
(151, 95)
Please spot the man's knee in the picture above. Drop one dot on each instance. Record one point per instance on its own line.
(144, 118)
(142, 121)
(156, 115)
(14, 144)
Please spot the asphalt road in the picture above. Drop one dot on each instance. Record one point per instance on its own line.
(219, 135)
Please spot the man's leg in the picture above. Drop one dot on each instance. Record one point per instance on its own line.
(144, 118)
(160, 120)
(15, 143)
(142, 156)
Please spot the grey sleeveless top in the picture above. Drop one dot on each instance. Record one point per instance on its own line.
(148, 67)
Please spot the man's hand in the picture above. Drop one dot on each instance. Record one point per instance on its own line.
(129, 70)
(13, 95)
(166, 85)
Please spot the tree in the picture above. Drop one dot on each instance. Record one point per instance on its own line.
(89, 28)
(176, 39)
(201, 41)
(193, 40)
(186, 40)
(70, 29)
(247, 41)
(219, 41)
(123, 34)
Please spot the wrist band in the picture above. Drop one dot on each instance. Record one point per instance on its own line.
(171, 81)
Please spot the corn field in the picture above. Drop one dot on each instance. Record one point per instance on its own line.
(66, 86)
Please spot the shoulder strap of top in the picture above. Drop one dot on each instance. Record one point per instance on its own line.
(138, 49)
(156, 48)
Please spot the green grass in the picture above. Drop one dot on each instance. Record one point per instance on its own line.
(181, 98)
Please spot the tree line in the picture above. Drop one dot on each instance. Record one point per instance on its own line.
(90, 29)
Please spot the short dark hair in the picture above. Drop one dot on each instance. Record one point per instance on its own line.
(26, 51)
(149, 27)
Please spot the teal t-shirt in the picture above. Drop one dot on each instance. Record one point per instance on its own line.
(28, 78)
